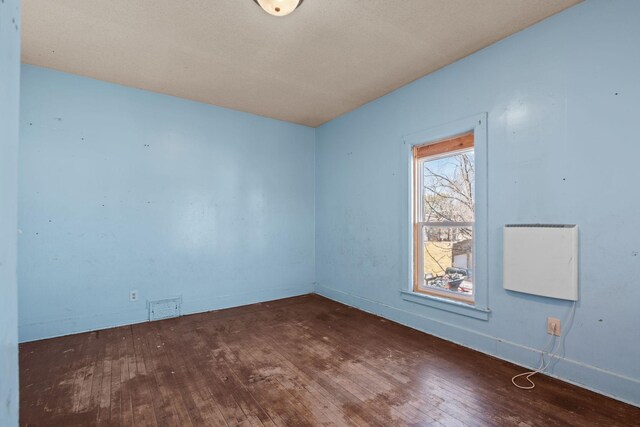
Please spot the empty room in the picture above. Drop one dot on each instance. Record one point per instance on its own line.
(319, 213)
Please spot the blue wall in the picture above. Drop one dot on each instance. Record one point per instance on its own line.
(562, 101)
(9, 98)
(122, 189)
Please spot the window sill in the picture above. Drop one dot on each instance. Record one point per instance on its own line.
(447, 305)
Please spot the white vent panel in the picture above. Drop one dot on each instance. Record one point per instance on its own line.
(164, 309)
(541, 260)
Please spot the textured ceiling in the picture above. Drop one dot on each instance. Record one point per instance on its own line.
(326, 58)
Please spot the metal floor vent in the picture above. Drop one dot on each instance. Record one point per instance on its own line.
(164, 308)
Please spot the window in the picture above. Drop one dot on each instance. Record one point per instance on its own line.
(458, 236)
(443, 218)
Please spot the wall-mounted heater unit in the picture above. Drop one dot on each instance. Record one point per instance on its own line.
(541, 259)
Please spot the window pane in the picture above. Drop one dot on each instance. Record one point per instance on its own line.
(447, 259)
(448, 188)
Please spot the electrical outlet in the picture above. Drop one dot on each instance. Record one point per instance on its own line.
(553, 326)
(133, 296)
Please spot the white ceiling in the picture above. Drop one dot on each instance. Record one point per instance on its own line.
(326, 58)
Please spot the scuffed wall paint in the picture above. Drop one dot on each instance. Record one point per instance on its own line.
(562, 99)
(9, 100)
(123, 189)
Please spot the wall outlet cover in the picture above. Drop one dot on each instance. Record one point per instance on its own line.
(553, 326)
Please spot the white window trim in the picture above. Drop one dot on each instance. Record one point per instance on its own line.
(480, 308)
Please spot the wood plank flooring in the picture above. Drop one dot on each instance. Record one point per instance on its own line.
(296, 362)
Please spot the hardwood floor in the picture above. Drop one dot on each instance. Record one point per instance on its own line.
(299, 361)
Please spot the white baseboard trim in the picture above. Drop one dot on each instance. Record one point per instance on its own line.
(599, 380)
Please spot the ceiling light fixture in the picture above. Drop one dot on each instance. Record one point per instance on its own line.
(279, 7)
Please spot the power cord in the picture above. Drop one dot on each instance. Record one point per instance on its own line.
(552, 340)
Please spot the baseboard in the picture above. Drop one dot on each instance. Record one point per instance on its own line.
(590, 377)
(74, 325)
(601, 381)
